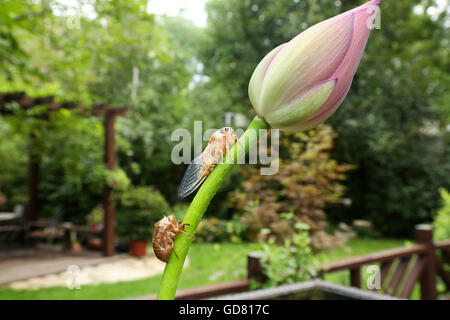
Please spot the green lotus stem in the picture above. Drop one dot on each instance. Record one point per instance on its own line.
(199, 204)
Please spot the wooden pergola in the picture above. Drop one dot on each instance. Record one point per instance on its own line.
(26, 102)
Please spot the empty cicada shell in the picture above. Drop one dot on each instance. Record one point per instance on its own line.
(166, 230)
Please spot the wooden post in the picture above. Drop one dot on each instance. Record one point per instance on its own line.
(108, 203)
(254, 267)
(67, 239)
(424, 234)
(33, 182)
(355, 277)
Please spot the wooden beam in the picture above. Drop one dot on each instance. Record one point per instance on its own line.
(444, 244)
(102, 110)
(99, 109)
(68, 105)
(24, 100)
(413, 277)
(207, 291)
(385, 267)
(11, 96)
(122, 111)
(33, 182)
(108, 202)
(382, 256)
(44, 100)
(446, 253)
(443, 273)
(254, 267)
(397, 276)
(27, 102)
(355, 277)
(424, 235)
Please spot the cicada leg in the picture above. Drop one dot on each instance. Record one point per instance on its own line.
(189, 235)
(179, 228)
(173, 249)
(182, 225)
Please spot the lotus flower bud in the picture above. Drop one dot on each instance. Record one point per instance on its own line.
(302, 82)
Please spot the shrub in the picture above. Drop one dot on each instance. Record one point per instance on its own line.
(145, 197)
(442, 219)
(291, 261)
(216, 230)
(117, 180)
(140, 208)
(308, 180)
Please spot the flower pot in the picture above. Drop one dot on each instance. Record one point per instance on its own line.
(138, 248)
(77, 247)
(95, 244)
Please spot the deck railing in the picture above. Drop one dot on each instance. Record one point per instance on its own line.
(399, 269)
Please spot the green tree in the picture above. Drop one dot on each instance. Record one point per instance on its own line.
(96, 60)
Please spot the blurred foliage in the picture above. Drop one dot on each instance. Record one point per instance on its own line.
(14, 164)
(88, 61)
(442, 219)
(293, 260)
(169, 72)
(144, 197)
(135, 224)
(392, 125)
(307, 181)
(179, 210)
(139, 209)
(117, 180)
(96, 216)
(216, 230)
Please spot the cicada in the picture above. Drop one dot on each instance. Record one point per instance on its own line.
(200, 168)
(166, 230)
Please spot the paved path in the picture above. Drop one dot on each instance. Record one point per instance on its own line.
(24, 263)
(34, 269)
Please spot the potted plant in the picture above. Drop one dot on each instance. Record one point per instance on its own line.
(140, 208)
(2, 197)
(96, 217)
(95, 220)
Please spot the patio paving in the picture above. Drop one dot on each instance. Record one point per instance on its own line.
(24, 263)
(40, 268)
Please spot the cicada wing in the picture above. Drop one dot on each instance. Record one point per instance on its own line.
(191, 180)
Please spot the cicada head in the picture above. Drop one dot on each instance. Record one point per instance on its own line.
(230, 136)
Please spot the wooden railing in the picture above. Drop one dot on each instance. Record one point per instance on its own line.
(400, 269)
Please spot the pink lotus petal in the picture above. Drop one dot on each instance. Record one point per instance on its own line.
(350, 63)
(309, 58)
(254, 90)
(304, 105)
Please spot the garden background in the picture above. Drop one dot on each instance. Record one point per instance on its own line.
(383, 157)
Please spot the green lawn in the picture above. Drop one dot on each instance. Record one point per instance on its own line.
(209, 263)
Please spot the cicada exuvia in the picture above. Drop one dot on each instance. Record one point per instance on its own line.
(166, 230)
(200, 168)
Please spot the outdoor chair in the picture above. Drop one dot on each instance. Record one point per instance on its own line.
(11, 224)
